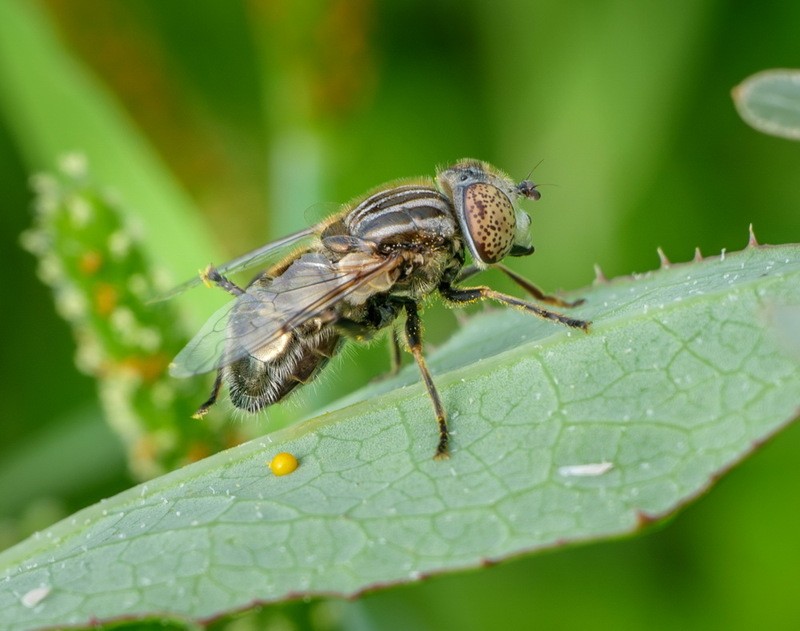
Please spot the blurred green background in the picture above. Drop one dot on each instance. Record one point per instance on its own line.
(250, 112)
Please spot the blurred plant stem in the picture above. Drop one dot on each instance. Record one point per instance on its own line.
(91, 256)
(316, 65)
(66, 110)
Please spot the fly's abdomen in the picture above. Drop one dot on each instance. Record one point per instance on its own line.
(403, 215)
(269, 374)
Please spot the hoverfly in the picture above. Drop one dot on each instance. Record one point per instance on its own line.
(354, 274)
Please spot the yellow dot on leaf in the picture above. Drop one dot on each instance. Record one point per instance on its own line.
(283, 464)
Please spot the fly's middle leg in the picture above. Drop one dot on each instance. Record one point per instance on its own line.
(394, 353)
(414, 339)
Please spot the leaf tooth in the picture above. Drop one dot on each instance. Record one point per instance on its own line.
(665, 263)
(644, 519)
(752, 242)
(698, 255)
(599, 276)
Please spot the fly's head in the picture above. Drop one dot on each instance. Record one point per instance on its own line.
(486, 204)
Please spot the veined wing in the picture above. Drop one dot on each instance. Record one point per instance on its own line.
(271, 251)
(307, 289)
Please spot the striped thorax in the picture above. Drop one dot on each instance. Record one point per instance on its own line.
(402, 215)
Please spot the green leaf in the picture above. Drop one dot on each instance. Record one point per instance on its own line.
(770, 102)
(558, 437)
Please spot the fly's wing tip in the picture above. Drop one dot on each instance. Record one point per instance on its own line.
(178, 371)
(187, 364)
(177, 290)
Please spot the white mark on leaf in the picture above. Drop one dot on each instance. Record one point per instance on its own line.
(592, 469)
(35, 596)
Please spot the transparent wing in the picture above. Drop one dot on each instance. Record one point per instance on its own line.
(310, 286)
(271, 251)
(204, 351)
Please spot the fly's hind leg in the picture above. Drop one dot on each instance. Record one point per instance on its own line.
(414, 339)
(212, 399)
(211, 275)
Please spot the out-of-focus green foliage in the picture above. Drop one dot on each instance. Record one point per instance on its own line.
(259, 109)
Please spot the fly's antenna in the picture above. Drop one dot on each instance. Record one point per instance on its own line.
(527, 188)
(535, 166)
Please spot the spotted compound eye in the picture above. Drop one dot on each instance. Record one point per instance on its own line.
(490, 221)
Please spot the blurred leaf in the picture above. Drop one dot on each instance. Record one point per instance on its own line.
(770, 102)
(39, 467)
(558, 437)
(53, 107)
(584, 109)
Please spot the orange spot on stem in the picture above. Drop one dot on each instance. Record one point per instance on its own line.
(90, 262)
(106, 298)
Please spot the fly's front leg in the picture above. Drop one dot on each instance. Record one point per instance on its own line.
(471, 294)
(211, 275)
(414, 339)
(534, 291)
(466, 272)
(528, 286)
